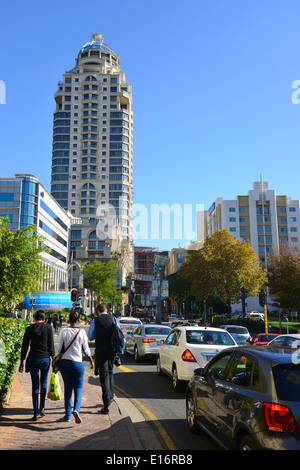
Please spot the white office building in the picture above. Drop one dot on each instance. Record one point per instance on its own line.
(262, 217)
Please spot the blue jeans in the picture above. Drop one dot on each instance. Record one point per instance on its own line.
(72, 373)
(38, 368)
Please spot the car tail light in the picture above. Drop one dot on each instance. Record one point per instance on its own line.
(187, 356)
(148, 340)
(278, 418)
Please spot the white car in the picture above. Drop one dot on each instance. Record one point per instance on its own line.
(128, 323)
(256, 315)
(188, 347)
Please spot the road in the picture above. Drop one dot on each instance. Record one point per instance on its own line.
(158, 402)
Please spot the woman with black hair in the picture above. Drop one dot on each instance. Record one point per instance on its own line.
(39, 338)
(71, 365)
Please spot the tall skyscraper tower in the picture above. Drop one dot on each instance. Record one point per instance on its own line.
(92, 149)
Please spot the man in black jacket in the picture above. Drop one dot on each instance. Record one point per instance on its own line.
(105, 354)
(39, 338)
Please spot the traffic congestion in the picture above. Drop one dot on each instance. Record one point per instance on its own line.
(241, 391)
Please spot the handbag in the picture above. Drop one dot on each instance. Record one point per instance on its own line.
(57, 358)
(117, 361)
(54, 392)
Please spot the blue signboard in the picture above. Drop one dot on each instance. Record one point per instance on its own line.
(49, 300)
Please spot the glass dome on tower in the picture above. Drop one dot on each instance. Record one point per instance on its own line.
(97, 44)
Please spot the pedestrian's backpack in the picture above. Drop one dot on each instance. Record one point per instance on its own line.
(117, 338)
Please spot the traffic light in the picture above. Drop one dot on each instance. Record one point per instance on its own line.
(262, 298)
(74, 295)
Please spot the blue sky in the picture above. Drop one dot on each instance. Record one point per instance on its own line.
(212, 88)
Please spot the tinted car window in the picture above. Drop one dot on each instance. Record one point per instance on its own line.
(216, 369)
(209, 337)
(237, 329)
(242, 370)
(150, 330)
(130, 322)
(287, 381)
(173, 338)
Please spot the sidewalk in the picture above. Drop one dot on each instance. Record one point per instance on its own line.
(96, 432)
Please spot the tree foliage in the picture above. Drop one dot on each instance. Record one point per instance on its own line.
(284, 277)
(21, 264)
(223, 266)
(101, 279)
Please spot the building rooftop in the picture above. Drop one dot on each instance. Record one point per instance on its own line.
(98, 44)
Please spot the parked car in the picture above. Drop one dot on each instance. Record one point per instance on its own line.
(188, 347)
(144, 341)
(263, 339)
(256, 316)
(247, 398)
(286, 341)
(128, 323)
(240, 334)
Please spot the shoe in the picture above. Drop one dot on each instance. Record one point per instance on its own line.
(104, 410)
(65, 419)
(35, 418)
(76, 415)
(42, 412)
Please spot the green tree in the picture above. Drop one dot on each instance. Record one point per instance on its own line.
(21, 265)
(179, 288)
(223, 266)
(101, 279)
(284, 277)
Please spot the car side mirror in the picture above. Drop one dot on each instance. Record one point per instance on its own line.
(199, 372)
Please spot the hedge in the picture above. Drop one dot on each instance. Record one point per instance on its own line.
(11, 336)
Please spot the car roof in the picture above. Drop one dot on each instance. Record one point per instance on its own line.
(128, 318)
(201, 328)
(275, 355)
(239, 326)
(156, 325)
(289, 335)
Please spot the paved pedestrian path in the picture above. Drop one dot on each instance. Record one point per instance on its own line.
(96, 432)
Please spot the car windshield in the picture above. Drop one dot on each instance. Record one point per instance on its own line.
(240, 330)
(209, 337)
(150, 330)
(287, 380)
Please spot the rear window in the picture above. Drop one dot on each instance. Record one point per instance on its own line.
(287, 381)
(133, 322)
(237, 330)
(267, 338)
(209, 337)
(156, 331)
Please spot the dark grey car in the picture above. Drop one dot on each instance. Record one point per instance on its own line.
(248, 398)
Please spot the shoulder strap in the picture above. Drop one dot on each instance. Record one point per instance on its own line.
(72, 341)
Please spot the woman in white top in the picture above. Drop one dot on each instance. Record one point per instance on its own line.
(72, 366)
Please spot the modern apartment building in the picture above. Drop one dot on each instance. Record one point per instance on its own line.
(25, 201)
(92, 154)
(261, 216)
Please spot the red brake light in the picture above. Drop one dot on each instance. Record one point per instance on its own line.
(148, 340)
(278, 418)
(187, 356)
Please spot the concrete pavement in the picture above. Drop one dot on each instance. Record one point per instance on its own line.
(116, 431)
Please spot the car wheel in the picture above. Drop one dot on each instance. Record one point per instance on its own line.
(158, 366)
(191, 415)
(247, 443)
(177, 384)
(137, 357)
